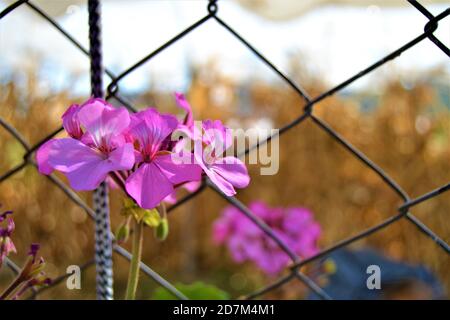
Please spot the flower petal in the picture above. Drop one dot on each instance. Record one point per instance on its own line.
(152, 129)
(171, 198)
(122, 158)
(148, 186)
(217, 135)
(102, 121)
(184, 104)
(42, 158)
(233, 170)
(71, 122)
(220, 182)
(68, 154)
(178, 172)
(192, 186)
(90, 174)
(84, 167)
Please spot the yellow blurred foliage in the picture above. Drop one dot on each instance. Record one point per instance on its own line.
(406, 133)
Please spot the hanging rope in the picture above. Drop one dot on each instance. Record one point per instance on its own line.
(103, 241)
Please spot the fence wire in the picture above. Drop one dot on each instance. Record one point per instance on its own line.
(294, 272)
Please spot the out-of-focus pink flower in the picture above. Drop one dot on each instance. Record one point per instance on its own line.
(6, 244)
(226, 172)
(157, 173)
(87, 159)
(294, 226)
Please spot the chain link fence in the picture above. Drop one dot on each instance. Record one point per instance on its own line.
(212, 8)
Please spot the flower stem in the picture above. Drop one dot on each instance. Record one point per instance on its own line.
(12, 287)
(21, 277)
(133, 275)
(118, 180)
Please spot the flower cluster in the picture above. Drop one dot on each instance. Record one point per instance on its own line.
(140, 153)
(295, 226)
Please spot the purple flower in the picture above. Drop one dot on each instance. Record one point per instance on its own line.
(87, 159)
(211, 142)
(6, 244)
(140, 152)
(34, 248)
(184, 104)
(157, 173)
(33, 269)
(246, 242)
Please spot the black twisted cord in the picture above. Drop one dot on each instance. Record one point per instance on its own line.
(103, 241)
(95, 48)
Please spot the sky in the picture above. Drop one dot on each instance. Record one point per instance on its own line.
(332, 43)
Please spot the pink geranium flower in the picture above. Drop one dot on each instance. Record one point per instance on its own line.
(211, 141)
(100, 149)
(246, 242)
(157, 173)
(140, 152)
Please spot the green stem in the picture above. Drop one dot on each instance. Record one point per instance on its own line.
(133, 275)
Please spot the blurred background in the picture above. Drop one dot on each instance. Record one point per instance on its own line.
(397, 115)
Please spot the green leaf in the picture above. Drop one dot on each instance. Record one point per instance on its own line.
(194, 291)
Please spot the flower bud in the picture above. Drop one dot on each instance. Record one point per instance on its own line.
(162, 230)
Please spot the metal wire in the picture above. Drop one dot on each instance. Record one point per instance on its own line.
(307, 113)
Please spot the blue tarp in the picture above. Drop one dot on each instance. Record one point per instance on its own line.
(350, 279)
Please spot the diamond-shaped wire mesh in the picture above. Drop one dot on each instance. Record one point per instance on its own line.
(294, 270)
